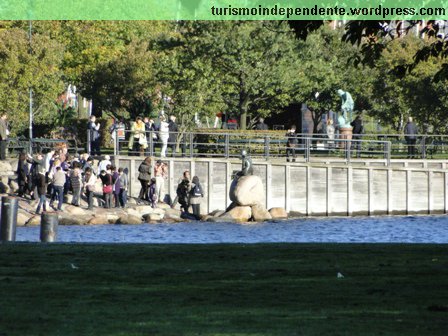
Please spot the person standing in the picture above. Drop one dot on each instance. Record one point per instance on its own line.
(164, 133)
(137, 140)
(42, 191)
(123, 180)
(22, 175)
(76, 181)
(144, 176)
(410, 131)
(183, 192)
(89, 185)
(173, 129)
(196, 192)
(94, 136)
(151, 135)
(358, 130)
(4, 133)
(261, 126)
(58, 187)
(291, 144)
(106, 180)
(161, 174)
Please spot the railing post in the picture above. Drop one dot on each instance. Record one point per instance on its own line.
(116, 145)
(424, 147)
(191, 144)
(266, 148)
(388, 152)
(88, 143)
(347, 146)
(307, 149)
(226, 146)
(151, 143)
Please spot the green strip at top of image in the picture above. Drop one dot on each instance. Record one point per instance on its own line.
(222, 9)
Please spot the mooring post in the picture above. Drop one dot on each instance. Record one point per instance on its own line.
(8, 223)
(49, 222)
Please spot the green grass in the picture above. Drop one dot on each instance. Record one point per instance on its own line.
(263, 289)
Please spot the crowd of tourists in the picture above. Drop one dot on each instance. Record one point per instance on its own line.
(48, 177)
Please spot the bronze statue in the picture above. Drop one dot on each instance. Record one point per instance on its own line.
(347, 106)
(246, 165)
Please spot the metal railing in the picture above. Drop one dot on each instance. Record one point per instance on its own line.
(37, 145)
(228, 145)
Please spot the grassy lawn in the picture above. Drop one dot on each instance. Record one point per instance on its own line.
(263, 289)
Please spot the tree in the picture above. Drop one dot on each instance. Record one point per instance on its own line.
(251, 60)
(324, 68)
(23, 67)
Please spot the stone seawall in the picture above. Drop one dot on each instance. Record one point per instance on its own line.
(317, 189)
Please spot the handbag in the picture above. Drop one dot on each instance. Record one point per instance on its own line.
(142, 140)
(107, 189)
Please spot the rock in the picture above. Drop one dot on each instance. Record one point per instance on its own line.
(247, 190)
(132, 212)
(173, 214)
(260, 214)
(216, 213)
(144, 209)
(239, 214)
(221, 220)
(278, 213)
(153, 217)
(33, 221)
(129, 220)
(65, 219)
(13, 186)
(98, 220)
(132, 201)
(159, 211)
(68, 198)
(112, 218)
(23, 217)
(163, 206)
(74, 210)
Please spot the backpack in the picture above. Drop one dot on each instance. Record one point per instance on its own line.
(196, 190)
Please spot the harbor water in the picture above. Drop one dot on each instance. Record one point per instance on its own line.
(381, 229)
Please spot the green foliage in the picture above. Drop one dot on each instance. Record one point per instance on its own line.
(22, 68)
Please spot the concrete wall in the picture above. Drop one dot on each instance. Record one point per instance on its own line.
(317, 189)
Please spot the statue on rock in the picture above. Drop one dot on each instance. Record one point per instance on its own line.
(347, 105)
(246, 166)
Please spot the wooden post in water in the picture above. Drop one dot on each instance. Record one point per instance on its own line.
(49, 222)
(8, 222)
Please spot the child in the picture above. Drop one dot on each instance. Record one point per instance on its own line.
(152, 193)
(195, 193)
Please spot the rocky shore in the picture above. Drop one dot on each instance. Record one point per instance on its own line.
(245, 195)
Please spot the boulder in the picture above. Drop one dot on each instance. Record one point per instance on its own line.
(23, 217)
(65, 219)
(98, 220)
(74, 210)
(33, 221)
(216, 213)
(260, 213)
(173, 214)
(13, 186)
(239, 214)
(187, 216)
(132, 212)
(247, 190)
(163, 206)
(132, 201)
(278, 213)
(220, 220)
(144, 209)
(129, 220)
(153, 217)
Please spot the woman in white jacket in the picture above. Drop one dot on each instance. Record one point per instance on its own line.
(163, 135)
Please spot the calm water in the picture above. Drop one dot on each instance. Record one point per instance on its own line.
(410, 229)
